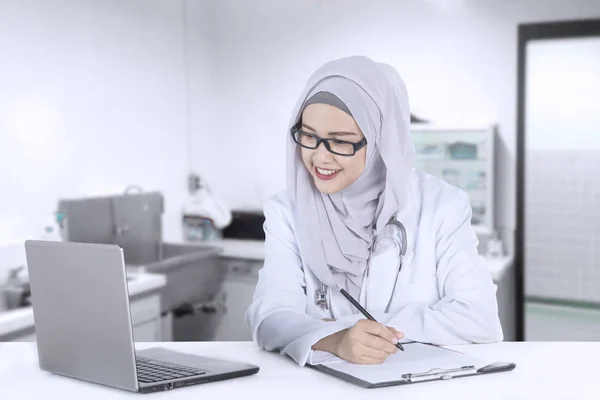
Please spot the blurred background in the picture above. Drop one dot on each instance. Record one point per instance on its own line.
(160, 125)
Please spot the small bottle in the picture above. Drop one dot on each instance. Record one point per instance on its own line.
(52, 231)
(495, 249)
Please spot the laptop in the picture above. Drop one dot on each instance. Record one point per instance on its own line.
(83, 326)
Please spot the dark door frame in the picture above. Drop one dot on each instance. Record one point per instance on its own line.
(526, 33)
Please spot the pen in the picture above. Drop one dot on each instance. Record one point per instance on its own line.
(363, 311)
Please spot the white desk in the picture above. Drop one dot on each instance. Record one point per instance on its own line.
(544, 371)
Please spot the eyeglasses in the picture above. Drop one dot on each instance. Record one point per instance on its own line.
(335, 146)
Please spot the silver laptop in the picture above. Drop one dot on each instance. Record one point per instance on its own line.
(83, 324)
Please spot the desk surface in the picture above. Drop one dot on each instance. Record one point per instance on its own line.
(544, 371)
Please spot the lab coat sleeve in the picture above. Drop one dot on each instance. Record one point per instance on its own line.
(277, 315)
(467, 311)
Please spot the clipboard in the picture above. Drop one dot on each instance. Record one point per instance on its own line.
(422, 362)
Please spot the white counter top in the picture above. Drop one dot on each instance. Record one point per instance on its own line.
(544, 371)
(16, 320)
(241, 248)
(498, 266)
(255, 250)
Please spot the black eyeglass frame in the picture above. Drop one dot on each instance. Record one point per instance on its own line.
(356, 146)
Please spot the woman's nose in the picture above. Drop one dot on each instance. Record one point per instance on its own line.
(322, 154)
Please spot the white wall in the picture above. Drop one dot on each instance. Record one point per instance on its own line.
(92, 99)
(258, 70)
(93, 93)
(458, 58)
(200, 54)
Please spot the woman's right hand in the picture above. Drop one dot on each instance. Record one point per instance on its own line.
(367, 342)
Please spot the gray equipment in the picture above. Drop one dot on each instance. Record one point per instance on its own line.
(134, 222)
(83, 323)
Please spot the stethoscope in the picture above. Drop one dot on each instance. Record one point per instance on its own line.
(398, 233)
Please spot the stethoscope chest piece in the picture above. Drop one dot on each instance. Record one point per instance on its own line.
(321, 297)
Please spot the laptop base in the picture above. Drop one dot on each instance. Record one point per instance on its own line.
(213, 369)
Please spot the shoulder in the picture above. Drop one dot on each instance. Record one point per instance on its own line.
(437, 198)
(279, 205)
(279, 220)
(279, 213)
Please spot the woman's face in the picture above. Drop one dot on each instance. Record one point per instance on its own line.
(331, 172)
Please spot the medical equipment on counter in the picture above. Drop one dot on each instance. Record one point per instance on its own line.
(495, 247)
(53, 227)
(462, 151)
(198, 228)
(393, 230)
(205, 205)
(134, 221)
(463, 157)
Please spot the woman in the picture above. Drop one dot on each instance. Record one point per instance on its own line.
(349, 173)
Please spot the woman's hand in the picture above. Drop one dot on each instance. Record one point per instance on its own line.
(367, 342)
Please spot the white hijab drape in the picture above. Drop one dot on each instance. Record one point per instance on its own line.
(335, 231)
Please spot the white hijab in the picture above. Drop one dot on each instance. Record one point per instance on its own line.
(335, 231)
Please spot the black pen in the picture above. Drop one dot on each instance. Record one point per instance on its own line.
(363, 311)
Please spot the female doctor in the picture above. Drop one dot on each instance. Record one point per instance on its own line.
(358, 216)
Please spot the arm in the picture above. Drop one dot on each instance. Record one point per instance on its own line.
(468, 310)
(277, 316)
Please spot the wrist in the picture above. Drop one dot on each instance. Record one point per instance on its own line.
(330, 343)
(337, 340)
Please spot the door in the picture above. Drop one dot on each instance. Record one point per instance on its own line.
(558, 207)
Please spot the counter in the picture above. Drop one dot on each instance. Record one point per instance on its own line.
(240, 248)
(255, 250)
(499, 266)
(19, 319)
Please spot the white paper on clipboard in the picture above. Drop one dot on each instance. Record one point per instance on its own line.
(417, 359)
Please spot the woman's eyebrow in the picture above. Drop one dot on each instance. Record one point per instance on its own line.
(341, 133)
(308, 127)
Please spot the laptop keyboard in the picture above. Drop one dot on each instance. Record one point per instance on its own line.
(149, 370)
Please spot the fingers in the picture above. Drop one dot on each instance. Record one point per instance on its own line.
(377, 329)
(373, 353)
(399, 335)
(380, 344)
(369, 342)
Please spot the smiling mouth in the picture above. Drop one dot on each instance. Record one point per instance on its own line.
(326, 174)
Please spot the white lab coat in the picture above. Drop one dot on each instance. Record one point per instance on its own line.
(444, 295)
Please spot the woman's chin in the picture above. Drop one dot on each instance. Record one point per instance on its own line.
(328, 187)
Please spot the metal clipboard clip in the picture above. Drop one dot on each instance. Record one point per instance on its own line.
(440, 373)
